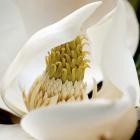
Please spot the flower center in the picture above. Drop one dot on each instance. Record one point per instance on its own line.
(62, 80)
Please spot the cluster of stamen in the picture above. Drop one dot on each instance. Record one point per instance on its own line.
(62, 81)
(67, 61)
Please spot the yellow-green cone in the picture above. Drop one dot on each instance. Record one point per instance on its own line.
(67, 61)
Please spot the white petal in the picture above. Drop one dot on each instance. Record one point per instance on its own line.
(111, 54)
(97, 35)
(132, 37)
(83, 120)
(12, 36)
(14, 132)
(44, 13)
(118, 64)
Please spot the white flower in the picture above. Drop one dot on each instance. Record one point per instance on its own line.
(109, 53)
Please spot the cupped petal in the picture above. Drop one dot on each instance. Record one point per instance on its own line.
(48, 12)
(14, 132)
(132, 37)
(12, 36)
(12, 33)
(96, 35)
(112, 54)
(83, 120)
(117, 61)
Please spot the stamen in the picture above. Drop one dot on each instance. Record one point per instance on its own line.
(94, 94)
(62, 81)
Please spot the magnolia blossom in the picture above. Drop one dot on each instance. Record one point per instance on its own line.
(105, 28)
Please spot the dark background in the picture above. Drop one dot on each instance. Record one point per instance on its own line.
(136, 5)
